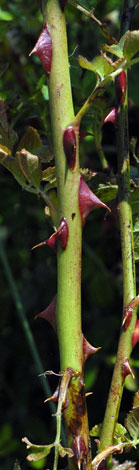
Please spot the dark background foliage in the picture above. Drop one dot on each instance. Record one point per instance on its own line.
(23, 87)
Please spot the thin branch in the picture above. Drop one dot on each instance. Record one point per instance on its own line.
(90, 14)
(128, 262)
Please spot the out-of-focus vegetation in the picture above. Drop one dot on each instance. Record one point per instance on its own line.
(23, 87)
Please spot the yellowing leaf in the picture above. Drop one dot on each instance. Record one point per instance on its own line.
(4, 151)
(30, 166)
(65, 451)
(49, 174)
(108, 450)
(37, 452)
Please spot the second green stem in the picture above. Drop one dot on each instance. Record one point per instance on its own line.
(129, 281)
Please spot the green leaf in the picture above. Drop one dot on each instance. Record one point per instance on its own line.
(101, 65)
(134, 62)
(120, 433)
(96, 430)
(131, 44)
(131, 384)
(113, 49)
(86, 64)
(37, 452)
(107, 192)
(132, 419)
(45, 92)
(5, 15)
(90, 378)
(119, 430)
(39, 464)
(41, 82)
(30, 166)
(122, 41)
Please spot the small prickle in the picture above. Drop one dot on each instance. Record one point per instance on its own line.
(126, 369)
(121, 85)
(112, 116)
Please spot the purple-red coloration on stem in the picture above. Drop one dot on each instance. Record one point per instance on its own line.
(102, 465)
(135, 336)
(69, 144)
(54, 397)
(49, 313)
(127, 318)
(43, 49)
(126, 369)
(128, 310)
(88, 349)
(83, 134)
(52, 241)
(79, 449)
(121, 84)
(87, 200)
(112, 116)
(61, 235)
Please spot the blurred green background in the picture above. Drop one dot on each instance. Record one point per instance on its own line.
(23, 87)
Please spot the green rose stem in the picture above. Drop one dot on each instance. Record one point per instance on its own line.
(129, 286)
(68, 260)
(129, 280)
